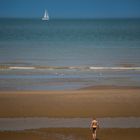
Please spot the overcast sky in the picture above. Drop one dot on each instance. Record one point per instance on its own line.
(70, 8)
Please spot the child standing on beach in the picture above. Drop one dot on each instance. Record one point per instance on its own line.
(94, 125)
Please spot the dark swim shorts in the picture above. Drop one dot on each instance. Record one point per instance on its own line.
(93, 130)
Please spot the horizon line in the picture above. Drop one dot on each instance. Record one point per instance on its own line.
(71, 18)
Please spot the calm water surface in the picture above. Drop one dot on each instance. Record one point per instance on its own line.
(68, 54)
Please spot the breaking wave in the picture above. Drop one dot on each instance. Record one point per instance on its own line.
(66, 68)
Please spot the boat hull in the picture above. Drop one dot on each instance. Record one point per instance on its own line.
(45, 19)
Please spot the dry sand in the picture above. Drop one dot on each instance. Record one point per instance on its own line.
(99, 102)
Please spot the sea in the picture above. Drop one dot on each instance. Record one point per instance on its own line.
(68, 54)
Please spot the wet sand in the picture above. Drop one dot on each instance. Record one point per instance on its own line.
(20, 124)
(99, 102)
(71, 134)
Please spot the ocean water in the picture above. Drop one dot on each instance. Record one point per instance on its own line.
(69, 53)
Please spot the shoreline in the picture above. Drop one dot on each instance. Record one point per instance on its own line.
(82, 88)
(115, 87)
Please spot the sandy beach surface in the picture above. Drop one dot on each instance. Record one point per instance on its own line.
(71, 134)
(99, 102)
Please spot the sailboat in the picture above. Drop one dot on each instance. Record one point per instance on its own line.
(46, 16)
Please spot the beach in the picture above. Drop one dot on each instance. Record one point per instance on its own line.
(71, 134)
(56, 76)
(100, 102)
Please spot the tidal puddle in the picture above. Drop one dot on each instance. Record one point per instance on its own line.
(14, 124)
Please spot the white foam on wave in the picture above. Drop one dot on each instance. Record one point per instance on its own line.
(70, 68)
(114, 68)
(22, 68)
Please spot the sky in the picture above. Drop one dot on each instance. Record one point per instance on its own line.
(71, 8)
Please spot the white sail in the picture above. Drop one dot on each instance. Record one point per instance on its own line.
(46, 16)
